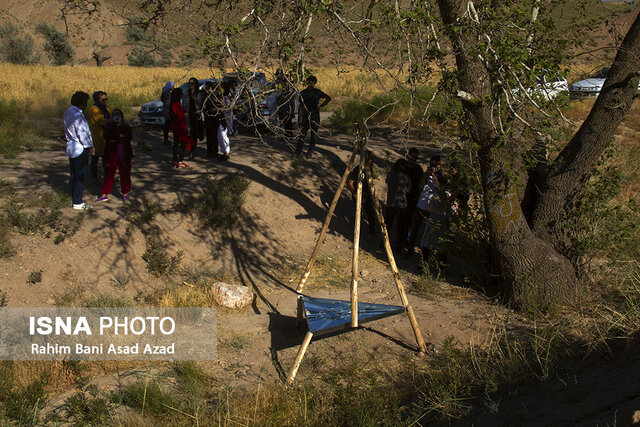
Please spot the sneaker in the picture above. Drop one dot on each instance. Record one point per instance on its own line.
(82, 207)
(102, 199)
(125, 198)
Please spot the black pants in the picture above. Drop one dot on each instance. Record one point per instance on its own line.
(309, 121)
(178, 150)
(165, 130)
(397, 215)
(285, 114)
(211, 128)
(195, 132)
(94, 165)
(367, 208)
(77, 173)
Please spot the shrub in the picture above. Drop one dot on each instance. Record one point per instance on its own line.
(6, 249)
(159, 263)
(221, 200)
(13, 133)
(57, 47)
(35, 277)
(16, 49)
(142, 57)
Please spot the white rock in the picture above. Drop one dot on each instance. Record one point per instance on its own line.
(231, 296)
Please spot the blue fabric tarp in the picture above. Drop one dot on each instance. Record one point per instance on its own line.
(327, 315)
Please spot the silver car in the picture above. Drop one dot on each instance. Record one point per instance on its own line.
(590, 87)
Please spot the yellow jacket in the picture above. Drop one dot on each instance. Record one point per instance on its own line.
(96, 120)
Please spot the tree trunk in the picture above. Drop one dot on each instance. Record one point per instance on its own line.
(100, 58)
(532, 273)
(569, 173)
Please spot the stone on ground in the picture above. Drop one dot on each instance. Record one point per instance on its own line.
(231, 296)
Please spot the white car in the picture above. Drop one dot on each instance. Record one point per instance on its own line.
(548, 87)
(590, 87)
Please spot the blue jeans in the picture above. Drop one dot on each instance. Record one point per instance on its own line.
(78, 171)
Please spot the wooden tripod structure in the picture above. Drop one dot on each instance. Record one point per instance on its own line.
(365, 172)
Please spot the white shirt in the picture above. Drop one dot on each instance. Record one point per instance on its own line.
(76, 129)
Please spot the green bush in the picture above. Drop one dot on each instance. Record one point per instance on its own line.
(143, 57)
(159, 263)
(57, 46)
(221, 200)
(423, 105)
(149, 397)
(16, 49)
(13, 134)
(6, 249)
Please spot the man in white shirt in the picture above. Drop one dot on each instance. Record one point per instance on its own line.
(79, 146)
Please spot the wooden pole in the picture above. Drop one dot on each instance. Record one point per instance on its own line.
(392, 262)
(325, 225)
(356, 245)
(299, 313)
(301, 352)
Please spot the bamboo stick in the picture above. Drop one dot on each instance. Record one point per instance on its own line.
(327, 220)
(356, 245)
(301, 352)
(392, 262)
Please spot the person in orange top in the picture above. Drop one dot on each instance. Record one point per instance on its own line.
(98, 115)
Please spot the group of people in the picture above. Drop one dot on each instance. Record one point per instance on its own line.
(213, 103)
(209, 113)
(414, 197)
(93, 133)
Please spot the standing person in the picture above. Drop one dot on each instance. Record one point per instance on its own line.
(194, 113)
(309, 114)
(165, 97)
(181, 139)
(398, 185)
(286, 103)
(413, 218)
(79, 146)
(225, 122)
(210, 107)
(98, 115)
(433, 201)
(118, 155)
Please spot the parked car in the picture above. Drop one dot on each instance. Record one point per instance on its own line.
(256, 103)
(548, 86)
(152, 113)
(589, 87)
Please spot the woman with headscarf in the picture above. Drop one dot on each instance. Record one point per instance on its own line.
(98, 115)
(118, 155)
(194, 112)
(181, 139)
(166, 107)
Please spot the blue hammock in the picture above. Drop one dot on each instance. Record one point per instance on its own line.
(328, 315)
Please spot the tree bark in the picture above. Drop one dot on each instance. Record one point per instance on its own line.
(569, 173)
(532, 273)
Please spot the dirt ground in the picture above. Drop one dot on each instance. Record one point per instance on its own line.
(283, 212)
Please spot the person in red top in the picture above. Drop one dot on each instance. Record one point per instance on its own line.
(181, 140)
(118, 154)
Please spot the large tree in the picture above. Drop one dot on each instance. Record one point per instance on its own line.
(500, 50)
